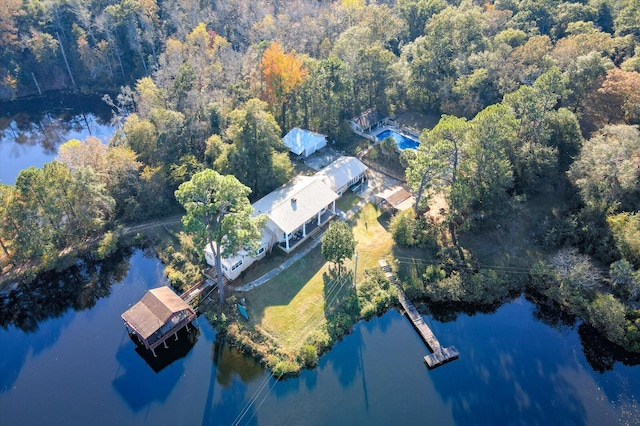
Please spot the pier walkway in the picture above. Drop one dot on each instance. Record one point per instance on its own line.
(439, 354)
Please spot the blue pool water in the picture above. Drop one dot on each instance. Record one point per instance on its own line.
(403, 141)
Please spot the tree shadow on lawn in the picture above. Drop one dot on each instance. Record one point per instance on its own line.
(284, 287)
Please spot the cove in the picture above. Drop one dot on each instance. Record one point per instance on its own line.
(32, 130)
(65, 359)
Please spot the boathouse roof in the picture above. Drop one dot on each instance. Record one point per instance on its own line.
(151, 313)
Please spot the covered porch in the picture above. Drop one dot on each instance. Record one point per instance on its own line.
(308, 229)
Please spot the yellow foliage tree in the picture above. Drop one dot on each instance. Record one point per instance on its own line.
(282, 73)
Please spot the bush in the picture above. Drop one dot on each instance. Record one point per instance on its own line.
(309, 355)
(285, 368)
(607, 315)
(176, 278)
(374, 294)
(320, 339)
(403, 228)
(108, 245)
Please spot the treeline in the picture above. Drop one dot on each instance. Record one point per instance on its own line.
(64, 206)
(533, 93)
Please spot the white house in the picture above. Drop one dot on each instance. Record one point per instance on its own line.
(233, 266)
(295, 211)
(343, 173)
(304, 142)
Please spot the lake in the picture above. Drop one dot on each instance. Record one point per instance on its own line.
(66, 360)
(32, 130)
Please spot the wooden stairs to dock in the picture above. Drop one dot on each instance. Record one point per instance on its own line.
(439, 354)
(204, 287)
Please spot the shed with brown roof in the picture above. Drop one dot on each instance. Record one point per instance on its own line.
(397, 197)
(157, 316)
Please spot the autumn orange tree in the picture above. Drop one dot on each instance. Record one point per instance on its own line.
(620, 96)
(282, 73)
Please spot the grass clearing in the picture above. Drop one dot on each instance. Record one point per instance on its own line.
(285, 305)
(347, 201)
(294, 303)
(373, 239)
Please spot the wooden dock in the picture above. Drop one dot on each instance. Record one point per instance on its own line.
(439, 354)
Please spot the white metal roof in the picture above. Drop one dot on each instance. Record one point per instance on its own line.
(293, 204)
(298, 140)
(341, 172)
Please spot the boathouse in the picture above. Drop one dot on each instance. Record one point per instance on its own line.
(159, 315)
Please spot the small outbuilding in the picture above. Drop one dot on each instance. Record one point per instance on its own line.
(343, 173)
(304, 142)
(159, 315)
(396, 197)
(367, 121)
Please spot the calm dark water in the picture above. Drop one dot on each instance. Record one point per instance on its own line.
(32, 130)
(73, 364)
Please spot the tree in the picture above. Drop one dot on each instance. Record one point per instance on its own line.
(388, 147)
(282, 73)
(625, 278)
(607, 315)
(338, 243)
(417, 13)
(618, 99)
(436, 169)
(625, 228)
(116, 166)
(256, 140)
(606, 170)
(218, 213)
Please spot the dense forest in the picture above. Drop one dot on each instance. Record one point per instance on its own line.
(534, 96)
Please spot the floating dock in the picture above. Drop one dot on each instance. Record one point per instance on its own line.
(439, 354)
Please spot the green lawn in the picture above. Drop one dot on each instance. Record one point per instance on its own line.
(285, 306)
(294, 303)
(348, 200)
(373, 240)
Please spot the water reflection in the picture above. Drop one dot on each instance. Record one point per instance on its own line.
(232, 363)
(175, 349)
(513, 369)
(139, 387)
(234, 371)
(32, 130)
(53, 293)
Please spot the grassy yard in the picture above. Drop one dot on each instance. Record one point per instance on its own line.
(286, 305)
(373, 240)
(348, 200)
(294, 303)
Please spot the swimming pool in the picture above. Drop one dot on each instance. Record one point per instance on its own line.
(403, 141)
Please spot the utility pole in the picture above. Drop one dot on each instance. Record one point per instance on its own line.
(355, 268)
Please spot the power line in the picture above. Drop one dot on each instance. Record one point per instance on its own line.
(332, 293)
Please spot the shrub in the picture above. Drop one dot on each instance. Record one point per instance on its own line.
(309, 355)
(607, 314)
(403, 228)
(320, 339)
(285, 368)
(108, 245)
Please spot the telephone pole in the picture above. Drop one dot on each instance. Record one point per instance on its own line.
(355, 268)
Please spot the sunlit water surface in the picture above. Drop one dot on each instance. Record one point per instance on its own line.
(74, 364)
